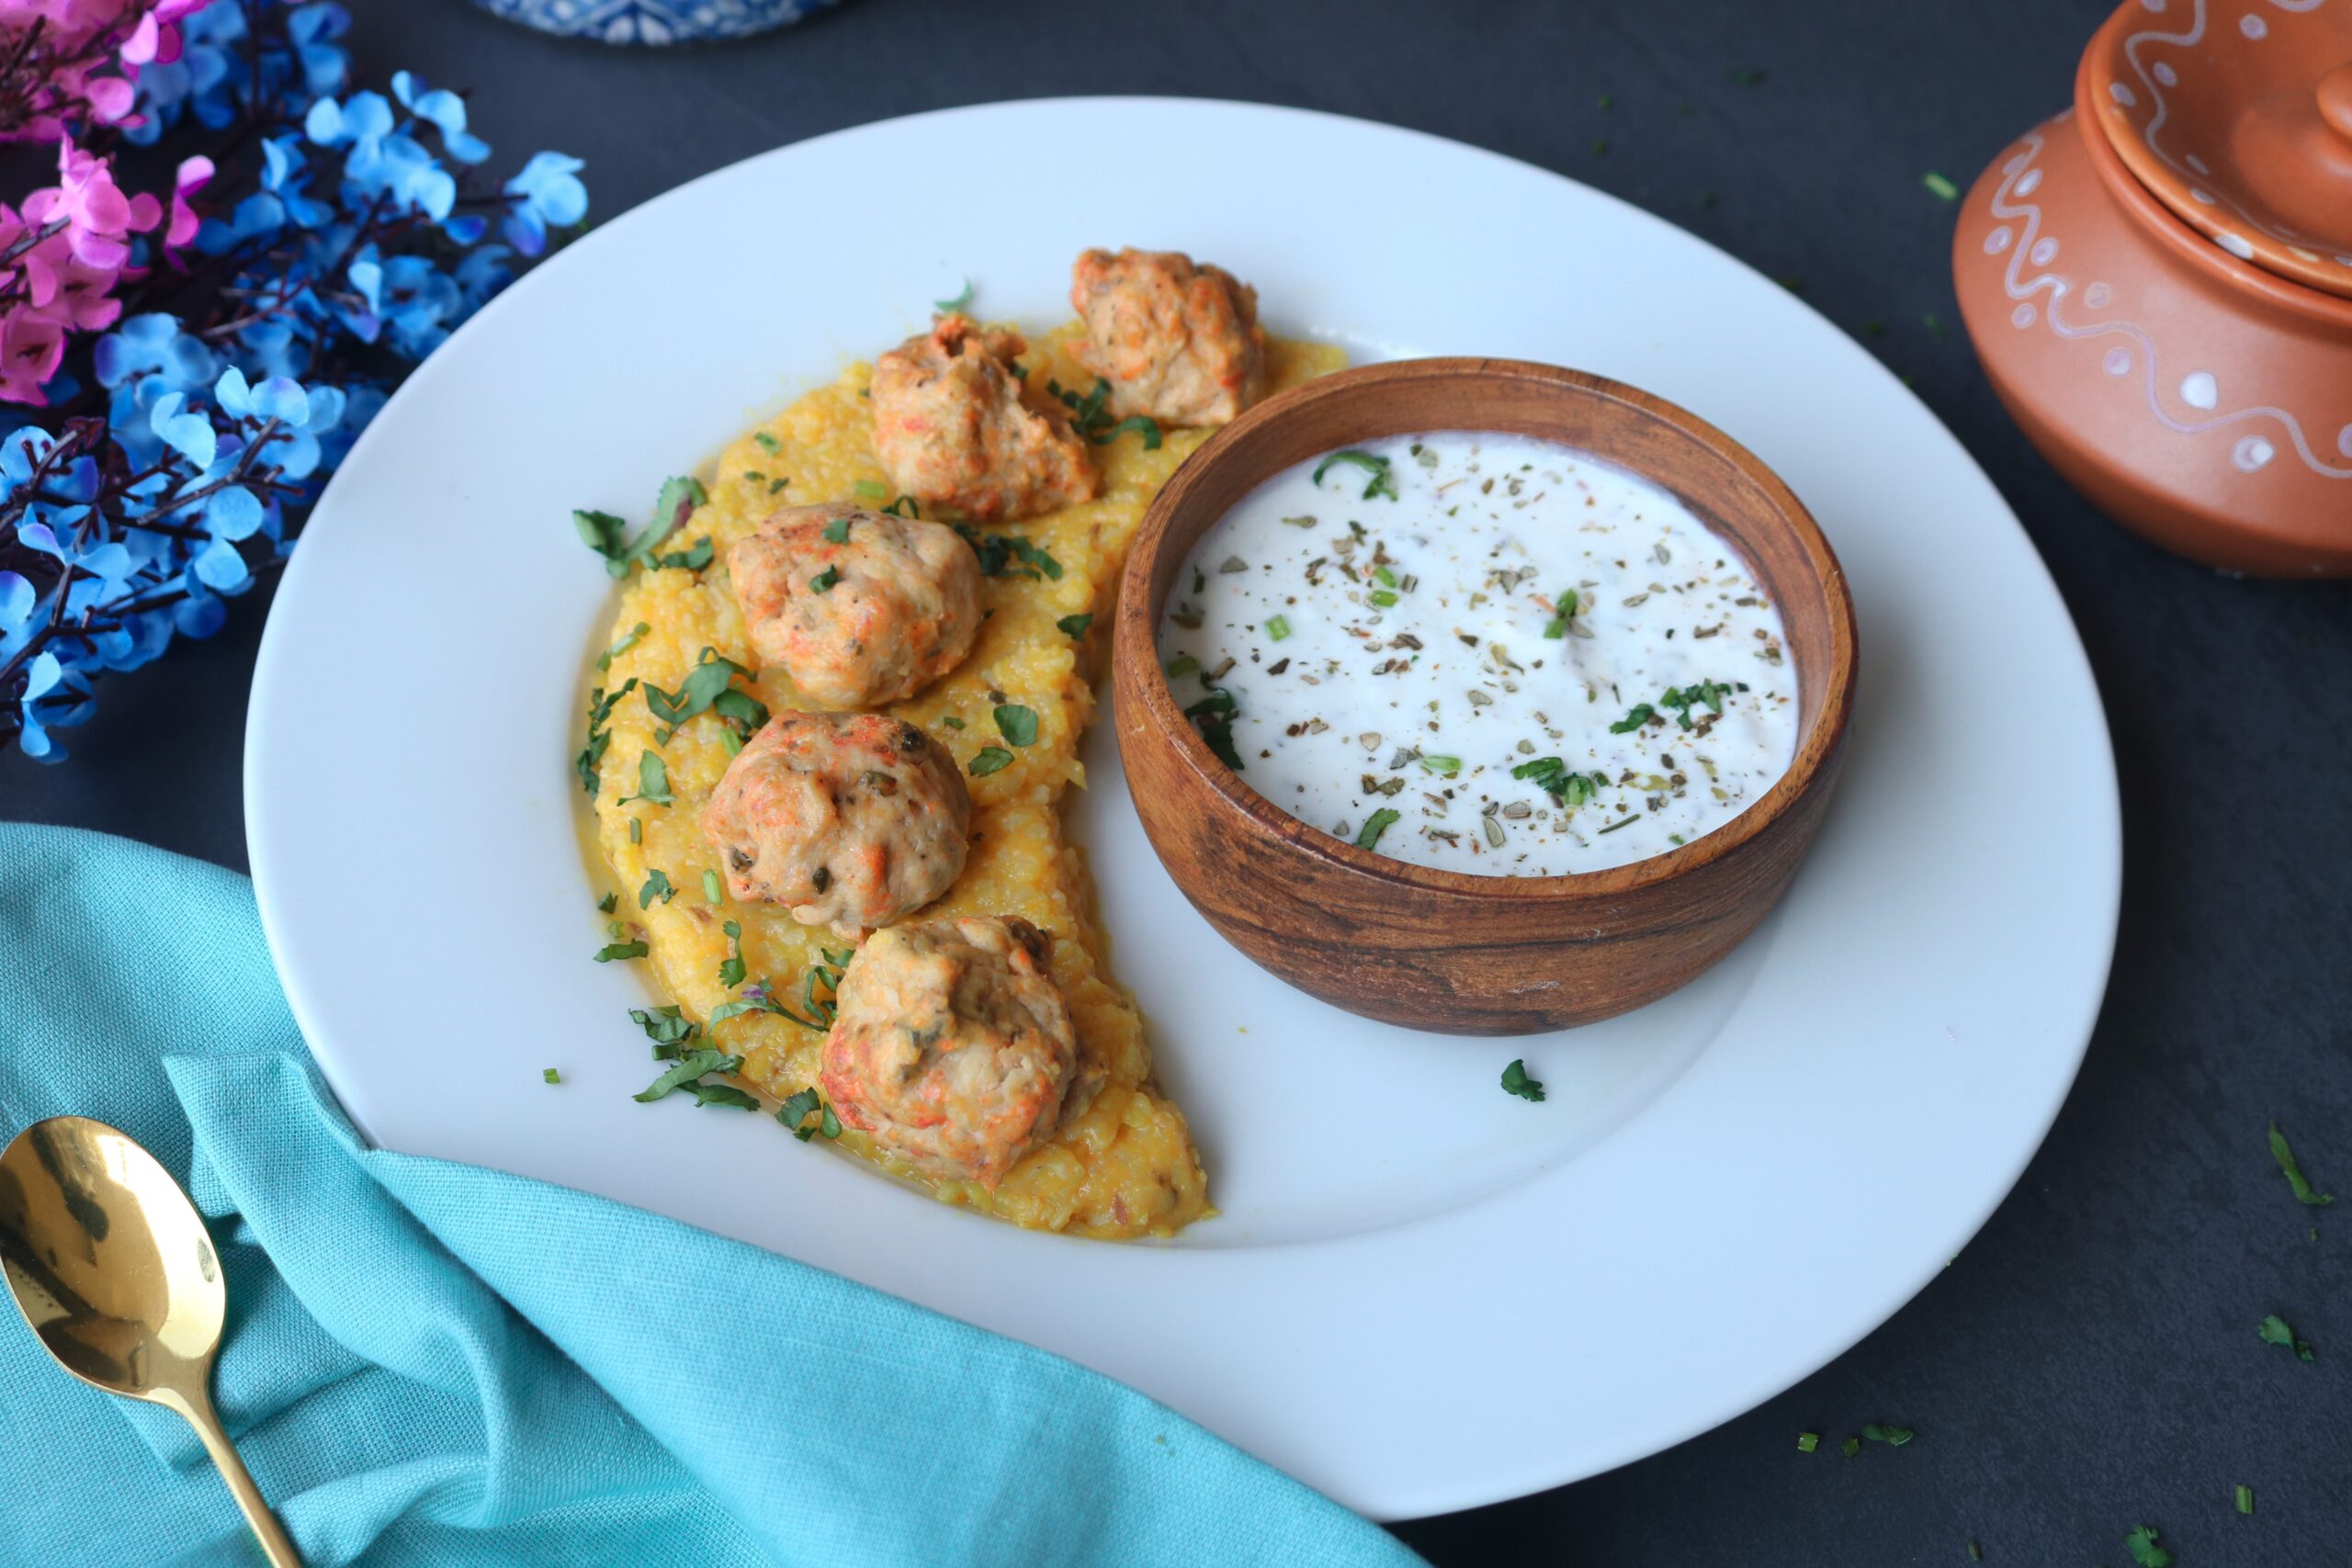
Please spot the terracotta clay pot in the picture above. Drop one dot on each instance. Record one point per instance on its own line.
(2194, 394)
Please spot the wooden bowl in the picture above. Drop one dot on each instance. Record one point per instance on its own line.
(1444, 950)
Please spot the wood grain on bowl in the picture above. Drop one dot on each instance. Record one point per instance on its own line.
(1448, 950)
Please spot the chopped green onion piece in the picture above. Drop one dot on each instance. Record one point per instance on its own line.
(1182, 665)
(2303, 1191)
(1850, 1447)
(1448, 766)
(1277, 627)
(871, 490)
(711, 890)
(1893, 1436)
(1941, 186)
(1382, 597)
(951, 722)
(550, 1074)
(1808, 1441)
(1376, 825)
(2245, 1499)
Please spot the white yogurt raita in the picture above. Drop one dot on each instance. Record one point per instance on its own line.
(1485, 652)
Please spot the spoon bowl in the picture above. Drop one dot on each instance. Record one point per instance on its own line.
(115, 1275)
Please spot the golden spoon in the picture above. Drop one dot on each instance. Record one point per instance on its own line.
(113, 1270)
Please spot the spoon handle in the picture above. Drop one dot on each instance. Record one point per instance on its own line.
(258, 1519)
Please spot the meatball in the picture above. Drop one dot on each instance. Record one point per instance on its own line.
(952, 1045)
(1177, 342)
(849, 820)
(860, 608)
(951, 428)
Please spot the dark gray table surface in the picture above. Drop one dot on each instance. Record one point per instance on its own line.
(2089, 1363)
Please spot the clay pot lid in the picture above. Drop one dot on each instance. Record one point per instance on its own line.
(2237, 116)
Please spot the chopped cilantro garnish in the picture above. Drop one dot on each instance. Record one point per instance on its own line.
(693, 559)
(870, 490)
(730, 968)
(657, 886)
(688, 1072)
(1808, 1441)
(988, 759)
(1017, 723)
(1277, 627)
(613, 950)
(999, 552)
(837, 531)
(1383, 482)
(1941, 185)
(2303, 1191)
(1182, 665)
(548, 1075)
(1142, 424)
(1564, 610)
(708, 688)
(757, 999)
(1373, 826)
(667, 1027)
(951, 722)
(1636, 716)
(1682, 699)
(1516, 1081)
(1086, 413)
(600, 708)
(823, 581)
(795, 1114)
(1074, 626)
(653, 780)
(712, 892)
(1448, 766)
(958, 305)
(767, 443)
(1893, 1436)
(2273, 1330)
(608, 903)
(2142, 1544)
(1213, 716)
(1850, 1447)
(905, 506)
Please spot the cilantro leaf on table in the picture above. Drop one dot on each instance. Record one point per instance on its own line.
(2303, 1191)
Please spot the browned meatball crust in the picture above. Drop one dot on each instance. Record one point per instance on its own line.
(950, 426)
(1177, 342)
(860, 608)
(849, 820)
(953, 1047)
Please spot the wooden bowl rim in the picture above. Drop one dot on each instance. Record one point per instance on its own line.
(1133, 640)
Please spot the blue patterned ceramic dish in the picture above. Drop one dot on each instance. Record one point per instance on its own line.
(654, 21)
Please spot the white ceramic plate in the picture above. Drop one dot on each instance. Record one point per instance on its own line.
(1422, 1293)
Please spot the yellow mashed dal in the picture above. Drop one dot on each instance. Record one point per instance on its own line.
(1127, 1167)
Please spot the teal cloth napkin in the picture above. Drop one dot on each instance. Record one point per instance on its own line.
(433, 1363)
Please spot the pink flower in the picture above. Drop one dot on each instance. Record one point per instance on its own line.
(31, 344)
(99, 219)
(193, 174)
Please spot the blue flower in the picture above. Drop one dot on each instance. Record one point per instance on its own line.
(54, 697)
(443, 108)
(548, 195)
(189, 435)
(282, 174)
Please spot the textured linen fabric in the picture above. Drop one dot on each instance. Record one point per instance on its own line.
(434, 1363)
